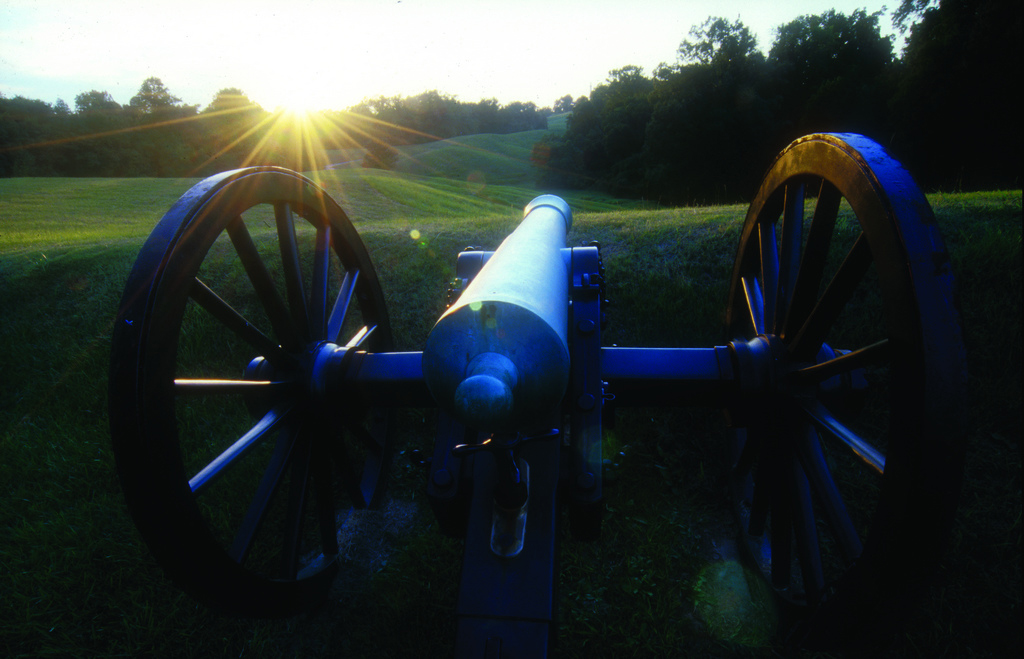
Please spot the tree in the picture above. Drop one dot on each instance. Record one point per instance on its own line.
(832, 45)
(909, 12)
(167, 147)
(834, 72)
(26, 125)
(229, 132)
(435, 114)
(718, 42)
(153, 97)
(102, 147)
(699, 130)
(628, 81)
(516, 117)
(230, 99)
(626, 112)
(957, 108)
(95, 101)
(563, 104)
(485, 117)
(604, 136)
(712, 124)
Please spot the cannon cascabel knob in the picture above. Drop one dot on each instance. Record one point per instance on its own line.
(486, 396)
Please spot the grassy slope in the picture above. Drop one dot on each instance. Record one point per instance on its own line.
(479, 159)
(78, 581)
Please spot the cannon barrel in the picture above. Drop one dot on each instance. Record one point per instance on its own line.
(498, 359)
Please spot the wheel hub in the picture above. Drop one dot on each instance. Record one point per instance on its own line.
(761, 365)
(324, 370)
(766, 368)
(319, 375)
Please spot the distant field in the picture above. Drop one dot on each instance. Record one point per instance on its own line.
(478, 160)
(79, 582)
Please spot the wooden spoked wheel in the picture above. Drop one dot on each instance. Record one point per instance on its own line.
(848, 443)
(239, 449)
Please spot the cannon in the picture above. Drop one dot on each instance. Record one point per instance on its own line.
(254, 384)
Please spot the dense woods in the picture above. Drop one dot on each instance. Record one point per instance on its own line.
(702, 129)
(705, 128)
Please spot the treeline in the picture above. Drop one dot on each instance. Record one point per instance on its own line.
(432, 115)
(156, 134)
(706, 128)
(398, 121)
(701, 130)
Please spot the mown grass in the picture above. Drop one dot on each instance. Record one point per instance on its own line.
(53, 213)
(479, 159)
(79, 582)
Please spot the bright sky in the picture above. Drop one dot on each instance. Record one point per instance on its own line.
(330, 54)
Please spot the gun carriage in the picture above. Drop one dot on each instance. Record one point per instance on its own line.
(251, 407)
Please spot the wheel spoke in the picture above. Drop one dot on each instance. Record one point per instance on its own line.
(361, 337)
(789, 259)
(263, 284)
(325, 512)
(755, 303)
(341, 304)
(350, 477)
(874, 354)
(769, 270)
(744, 462)
(806, 534)
(271, 480)
(824, 421)
(292, 532)
(846, 280)
(782, 520)
(202, 480)
(759, 503)
(366, 438)
(321, 275)
(213, 387)
(234, 321)
(292, 267)
(813, 461)
(812, 264)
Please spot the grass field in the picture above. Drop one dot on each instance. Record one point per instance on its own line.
(78, 581)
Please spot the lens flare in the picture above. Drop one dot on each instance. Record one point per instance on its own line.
(735, 605)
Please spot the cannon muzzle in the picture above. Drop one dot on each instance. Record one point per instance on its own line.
(498, 359)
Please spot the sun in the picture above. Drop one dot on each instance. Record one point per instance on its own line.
(299, 138)
(298, 104)
(298, 116)
(284, 86)
(301, 127)
(302, 95)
